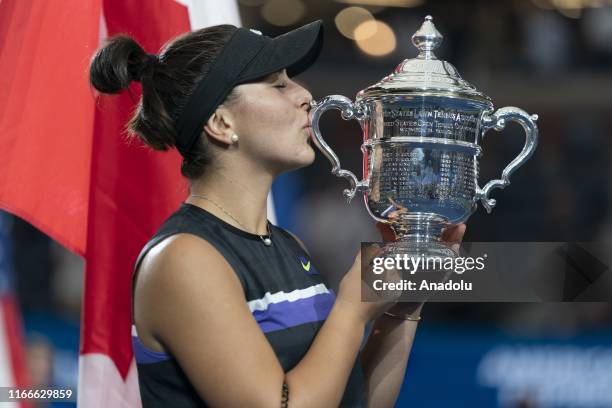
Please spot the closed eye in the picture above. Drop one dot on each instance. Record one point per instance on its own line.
(281, 85)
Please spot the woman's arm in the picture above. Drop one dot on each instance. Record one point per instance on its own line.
(191, 301)
(385, 355)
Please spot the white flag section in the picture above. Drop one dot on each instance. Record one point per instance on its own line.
(206, 13)
(101, 384)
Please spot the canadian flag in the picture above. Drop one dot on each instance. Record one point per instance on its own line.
(65, 165)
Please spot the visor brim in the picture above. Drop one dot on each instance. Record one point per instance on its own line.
(294, 51)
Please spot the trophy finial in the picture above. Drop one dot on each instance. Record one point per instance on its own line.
(427, 38)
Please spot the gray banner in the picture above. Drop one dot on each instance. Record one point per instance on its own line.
(49, 394)
(492, 272)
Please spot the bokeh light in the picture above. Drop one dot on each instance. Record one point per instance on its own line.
(283, 12)
(543, 4)
(570, 8)
(383, 42)
(348, 19)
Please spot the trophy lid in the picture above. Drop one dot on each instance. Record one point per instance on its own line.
(425, 74)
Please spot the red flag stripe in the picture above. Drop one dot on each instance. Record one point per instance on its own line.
(133, 189)
(47, 114)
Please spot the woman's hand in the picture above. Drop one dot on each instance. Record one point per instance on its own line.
(451, 236)
(352, 286)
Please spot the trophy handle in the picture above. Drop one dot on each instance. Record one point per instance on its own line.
(498, 121)
(349, 111)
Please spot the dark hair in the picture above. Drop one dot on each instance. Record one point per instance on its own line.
(167, 82)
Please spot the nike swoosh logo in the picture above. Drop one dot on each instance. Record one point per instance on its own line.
(306, 267)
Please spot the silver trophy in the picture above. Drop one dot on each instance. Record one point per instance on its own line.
(421, 129)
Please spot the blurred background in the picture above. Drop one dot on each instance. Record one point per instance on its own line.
(550, 57)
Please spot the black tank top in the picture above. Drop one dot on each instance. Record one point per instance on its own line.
(288, 298)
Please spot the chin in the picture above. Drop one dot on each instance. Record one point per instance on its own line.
(301, 159)
(308, 156)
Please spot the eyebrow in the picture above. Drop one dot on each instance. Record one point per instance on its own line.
(273, 77)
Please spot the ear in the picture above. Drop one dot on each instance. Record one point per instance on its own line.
(220, 126)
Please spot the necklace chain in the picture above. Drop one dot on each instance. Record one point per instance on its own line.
(267, 240)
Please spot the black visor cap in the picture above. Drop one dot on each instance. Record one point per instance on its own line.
(247, 57)
(295, 51)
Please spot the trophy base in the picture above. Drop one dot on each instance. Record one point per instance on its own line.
(419, 236)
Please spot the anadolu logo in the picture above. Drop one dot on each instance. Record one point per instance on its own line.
(307, 266)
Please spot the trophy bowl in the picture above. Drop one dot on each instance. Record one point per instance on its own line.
(421, 131)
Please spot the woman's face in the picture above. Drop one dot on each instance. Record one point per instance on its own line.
(271, 119)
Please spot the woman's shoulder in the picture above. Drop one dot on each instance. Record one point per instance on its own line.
(171, 270)
(181, 232)
(179, 260)
(182, 251)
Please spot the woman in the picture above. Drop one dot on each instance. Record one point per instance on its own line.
(227, 308)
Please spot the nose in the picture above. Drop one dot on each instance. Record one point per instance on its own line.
(309, 106)
(305, 100)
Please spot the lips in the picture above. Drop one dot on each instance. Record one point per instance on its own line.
(308, 120)
(308, 130)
